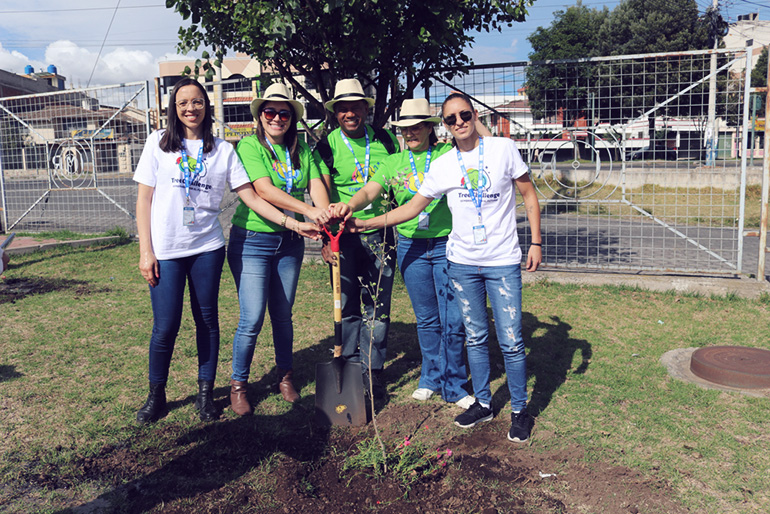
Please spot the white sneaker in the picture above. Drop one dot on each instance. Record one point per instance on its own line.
(422, 394)
(465, 403)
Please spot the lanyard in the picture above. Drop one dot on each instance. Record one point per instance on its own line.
(365, 170)
(289, 174)
(186, 169)
(417, 181)
(476, 195)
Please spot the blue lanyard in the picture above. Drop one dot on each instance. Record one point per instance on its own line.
(365, 170)
(417, 181)
(289, 174)
(186, 169)
(476, 195)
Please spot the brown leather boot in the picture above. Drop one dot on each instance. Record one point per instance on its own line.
(286, 387)
(238, 398)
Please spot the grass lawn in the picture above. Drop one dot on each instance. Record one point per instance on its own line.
(75, 326)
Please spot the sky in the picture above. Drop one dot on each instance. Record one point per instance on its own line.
(93, 43)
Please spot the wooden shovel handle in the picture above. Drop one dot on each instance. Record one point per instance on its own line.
(336, 289)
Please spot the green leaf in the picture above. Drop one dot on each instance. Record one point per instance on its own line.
(326, 40)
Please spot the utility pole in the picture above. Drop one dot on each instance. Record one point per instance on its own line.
(219, 108)
(712, 132)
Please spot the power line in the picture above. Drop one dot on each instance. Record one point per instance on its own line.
(43, 43)
(764, 6)
(74, 9)
(103, 41)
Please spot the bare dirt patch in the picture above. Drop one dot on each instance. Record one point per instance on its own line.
(13, 289)
(231, 466)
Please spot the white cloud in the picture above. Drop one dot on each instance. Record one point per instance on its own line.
(14, 61)
(116, 66)
(69, 34)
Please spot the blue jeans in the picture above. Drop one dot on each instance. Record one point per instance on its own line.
(265, 266)
(360, 263)
(439, 325)
(203, 272)
(502, 284)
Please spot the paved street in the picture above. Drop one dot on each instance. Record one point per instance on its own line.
(570, 241)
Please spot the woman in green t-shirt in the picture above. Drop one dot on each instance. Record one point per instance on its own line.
(265, 257)
(421, 254)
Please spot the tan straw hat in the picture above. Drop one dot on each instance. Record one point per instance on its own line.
(414, 111)
(348, 90)
(277, 93)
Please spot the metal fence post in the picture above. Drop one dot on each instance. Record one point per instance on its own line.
(765, 185)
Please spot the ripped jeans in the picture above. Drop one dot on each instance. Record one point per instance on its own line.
(502, 284)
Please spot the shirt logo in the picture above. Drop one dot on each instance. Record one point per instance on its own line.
(281, 169)
(411, 181)
(473, 175)
(192, 162)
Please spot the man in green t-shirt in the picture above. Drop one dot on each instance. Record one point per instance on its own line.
(348, 157)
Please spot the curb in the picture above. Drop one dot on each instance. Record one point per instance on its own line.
(29, 248)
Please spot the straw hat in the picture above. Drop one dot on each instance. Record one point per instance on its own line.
(277, 93)
(414, 111)
(348, 90)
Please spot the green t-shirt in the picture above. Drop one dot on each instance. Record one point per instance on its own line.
(259, 162)
(397, 172)
(345, 178)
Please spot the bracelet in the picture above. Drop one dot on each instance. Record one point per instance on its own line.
(283, 221)
(535, 244)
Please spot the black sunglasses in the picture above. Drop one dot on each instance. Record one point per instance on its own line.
(466, 116)
(283, 114)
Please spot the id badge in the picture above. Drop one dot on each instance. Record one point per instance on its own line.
(423, 221)
(479, 235)
(188, 216)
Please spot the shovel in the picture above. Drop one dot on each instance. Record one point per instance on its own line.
(339, 387)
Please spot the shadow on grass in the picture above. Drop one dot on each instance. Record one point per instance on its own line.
(9, 373)
(549, 360)
(220, 454)
(404, 356)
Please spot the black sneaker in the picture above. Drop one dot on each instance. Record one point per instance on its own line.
(521, 424)
(475, 414)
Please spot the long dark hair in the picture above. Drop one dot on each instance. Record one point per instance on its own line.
(452, 96)
(290, 139)
(433, 138)
(172, 138)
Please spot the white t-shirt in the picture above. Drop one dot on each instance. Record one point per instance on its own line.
(502, 165)
(171, 238)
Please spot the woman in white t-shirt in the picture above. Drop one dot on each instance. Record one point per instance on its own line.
(183, 174)
(483, 253)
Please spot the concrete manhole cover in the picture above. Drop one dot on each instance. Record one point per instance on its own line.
(678, 361)
(733, 366)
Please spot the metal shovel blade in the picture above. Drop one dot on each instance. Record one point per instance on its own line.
(339, 403)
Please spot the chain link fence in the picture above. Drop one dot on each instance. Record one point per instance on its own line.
(640, 161)
(67, 158)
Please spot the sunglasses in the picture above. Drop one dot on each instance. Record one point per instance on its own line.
(283, 114)
(466, 116)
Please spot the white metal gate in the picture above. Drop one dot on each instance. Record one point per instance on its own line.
(67, 158)
(633, 173)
